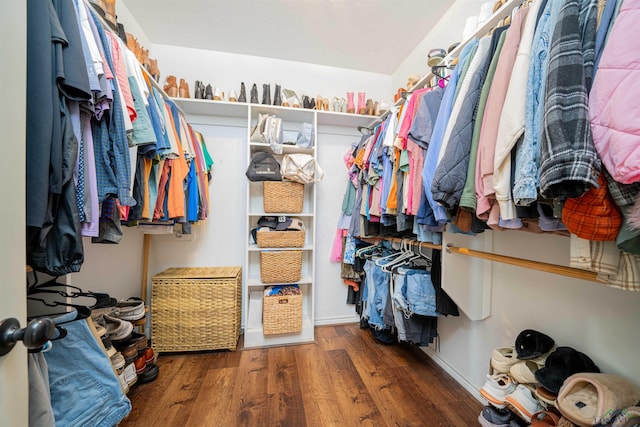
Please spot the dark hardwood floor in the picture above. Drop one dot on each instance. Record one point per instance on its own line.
(345, 378)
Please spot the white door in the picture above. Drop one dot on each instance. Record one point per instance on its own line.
(13, 366)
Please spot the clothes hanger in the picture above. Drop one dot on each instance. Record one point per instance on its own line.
(82, 311)
(364, 130)
(102, 300)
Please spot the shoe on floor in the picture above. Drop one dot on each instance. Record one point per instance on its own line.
(502, 359)
(524, 371)
(544, 419)
(523, 402)
(497, 388)
(494, 417)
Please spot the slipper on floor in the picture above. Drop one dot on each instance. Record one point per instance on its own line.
(544, 419)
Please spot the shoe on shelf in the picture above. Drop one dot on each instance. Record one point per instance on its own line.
(545, 396)
(183, 89)
(198, 92)
(524, 371)
(290, 98)
(502, 359)
(131, 309)
(123, 382)
(218, 95)
(254, 94)
(277, 95)
(149, 356)
(208, 92)
(338, 105)
(523, 402)
(154, 70)
(233, 96)
(171, 86)
(494, 417)
(371, 111)
(362, 108)
(108, 346)
(545, 419)
(350, 103)
(118, 329)
(130, 375)
(496, 389)
(149, 374)
(117, 360)
(140, 364)
(266, 94)
(243, 93)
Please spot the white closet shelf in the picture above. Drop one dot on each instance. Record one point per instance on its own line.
(255, 282)
(207, 107)
(309, 215)
(286, 148)
(255, 338)
(255, 248)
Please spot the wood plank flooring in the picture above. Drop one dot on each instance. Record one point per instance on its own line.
(343, 379)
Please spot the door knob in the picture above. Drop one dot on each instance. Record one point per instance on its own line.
(35, 335)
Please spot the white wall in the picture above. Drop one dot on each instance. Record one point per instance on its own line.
(447, 31)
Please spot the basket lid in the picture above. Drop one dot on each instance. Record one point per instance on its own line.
(199, 272)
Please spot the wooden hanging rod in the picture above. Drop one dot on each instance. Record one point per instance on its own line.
(527, 263)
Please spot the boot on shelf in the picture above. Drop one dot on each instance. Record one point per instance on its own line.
(243, 93)
(370, 107)
(254, 94)
(266, 94)
(362, 109)
(350, 105)
(208, 92)
(277, 97)
(183, 90)
(171, 86)
(198, 90)
(154, 70)
(145, 59)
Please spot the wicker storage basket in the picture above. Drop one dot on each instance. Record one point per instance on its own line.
(281, 314)
(280, 239)
(196, 308)
(283, 196)
(280, 266)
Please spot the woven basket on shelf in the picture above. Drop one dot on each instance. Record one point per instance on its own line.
(283, 196)
(281, 314)
(280, 239)
(196, 308)
(280, 266)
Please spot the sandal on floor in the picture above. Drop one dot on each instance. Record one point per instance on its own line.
(544, 419)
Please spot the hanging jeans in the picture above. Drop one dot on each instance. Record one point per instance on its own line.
(375, 294)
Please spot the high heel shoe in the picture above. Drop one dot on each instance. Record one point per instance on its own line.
(183, 89)
(266, 94)
(218, 95)
(325, 104)
(233, 96)
(338, 105)
(154, 70)
(254, 94)
(277, 96)
(290, 98)
(243, 93)
(370, 107)
(171, 86)
(350, 106)
(362, 109)
(208, 92)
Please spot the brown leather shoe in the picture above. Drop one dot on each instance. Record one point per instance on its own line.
(171, 86)
(183, 90)
(154, 70)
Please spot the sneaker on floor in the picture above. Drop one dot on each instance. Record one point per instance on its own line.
(497, 388)
(502, 359)
(494, 417)
(524, 371)
(523, 402)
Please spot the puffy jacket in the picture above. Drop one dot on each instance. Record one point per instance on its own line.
(613, 103)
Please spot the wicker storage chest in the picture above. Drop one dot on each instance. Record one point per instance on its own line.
(283, 196)
(282, 314)
(196, 308)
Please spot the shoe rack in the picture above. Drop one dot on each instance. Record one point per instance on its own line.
(244, 115)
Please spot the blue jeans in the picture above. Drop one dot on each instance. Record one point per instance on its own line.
(377, 290)
(85, 390)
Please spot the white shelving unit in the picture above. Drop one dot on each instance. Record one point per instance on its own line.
(208, 112)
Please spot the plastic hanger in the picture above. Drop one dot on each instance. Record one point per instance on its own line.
(82, 311)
